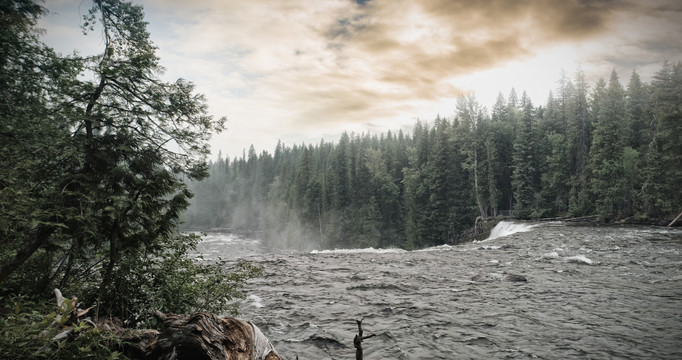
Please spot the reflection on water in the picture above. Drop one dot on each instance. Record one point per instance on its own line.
(591, 292)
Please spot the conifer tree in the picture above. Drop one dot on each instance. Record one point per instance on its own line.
(579, 136)
(663, 171)
(501, 133)
(470, 138)
(107, 189)
(638, 113)
(524, 175)
(605, 165)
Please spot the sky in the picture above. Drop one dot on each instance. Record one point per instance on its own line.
(301, 71)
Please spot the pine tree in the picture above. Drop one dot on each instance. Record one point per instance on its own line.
(579, 136)
(470, 137)
(638, 113)
(108, 207)
(416, 189)
(524, 176)
(605, 165)
(501, 132)
(663, 172)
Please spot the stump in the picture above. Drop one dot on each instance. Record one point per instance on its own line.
(200, 336)
(205, 336)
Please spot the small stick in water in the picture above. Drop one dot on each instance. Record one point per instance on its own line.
(357, 342)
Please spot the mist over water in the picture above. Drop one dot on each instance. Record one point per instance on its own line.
(228, 245)
(591, 292)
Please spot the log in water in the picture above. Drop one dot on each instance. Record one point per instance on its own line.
(591, 292)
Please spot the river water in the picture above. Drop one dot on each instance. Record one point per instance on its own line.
(599, 292)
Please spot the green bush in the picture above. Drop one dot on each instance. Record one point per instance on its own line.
(173, 282)
(28, 329)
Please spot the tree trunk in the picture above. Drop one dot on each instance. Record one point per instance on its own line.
(200, 336)
(41, 238)
(674, 221)
(357, 341)
(207, 336)
(476, 190)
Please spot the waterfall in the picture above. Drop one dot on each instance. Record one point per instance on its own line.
(504, 228)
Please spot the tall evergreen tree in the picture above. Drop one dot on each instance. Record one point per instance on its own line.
(605, 166)
(524, 177)
(470, 136)
(416, 189)
(663, 172)
(106, 204)
(501, 133)
(37, 154)
(579, 136)
(638, 113)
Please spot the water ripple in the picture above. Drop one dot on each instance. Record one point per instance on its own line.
(591, 292)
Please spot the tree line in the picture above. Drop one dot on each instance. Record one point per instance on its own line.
(607, 149)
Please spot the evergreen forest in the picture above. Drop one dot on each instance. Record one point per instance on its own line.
(605, 149)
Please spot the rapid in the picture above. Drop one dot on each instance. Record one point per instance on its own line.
(591, 292)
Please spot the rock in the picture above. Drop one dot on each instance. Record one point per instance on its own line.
(515, 278)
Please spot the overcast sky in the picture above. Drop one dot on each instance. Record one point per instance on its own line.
(303, 70)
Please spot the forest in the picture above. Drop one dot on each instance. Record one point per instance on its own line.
(603, 149)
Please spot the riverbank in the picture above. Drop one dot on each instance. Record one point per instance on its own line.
(483, 226)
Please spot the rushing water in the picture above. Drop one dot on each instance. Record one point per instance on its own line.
(591, 292)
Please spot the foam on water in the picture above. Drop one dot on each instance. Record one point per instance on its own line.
(550, 255)
(256, 301)
(505, 228)
(358, 251)
(444, 247)
(490, 247)
(580, 259)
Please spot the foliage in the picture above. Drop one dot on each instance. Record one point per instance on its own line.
(609, 151)
(171, 281)
(605, 163)
(29, 327)
(94, 155)
(524, 159)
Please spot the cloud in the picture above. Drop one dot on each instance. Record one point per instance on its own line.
(325, 66)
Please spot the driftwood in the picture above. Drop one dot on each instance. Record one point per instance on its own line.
(357, 341)
(587, 219)
(206, 336)
(674, 221)
(200, 336)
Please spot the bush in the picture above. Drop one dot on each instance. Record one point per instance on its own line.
(174, 282)
(28, 327)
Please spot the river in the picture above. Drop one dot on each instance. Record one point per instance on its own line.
(598, 292)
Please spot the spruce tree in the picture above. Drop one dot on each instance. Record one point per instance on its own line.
(578, 133)
(107, 207)
(663, 171)
(605, 165)
(523, 180)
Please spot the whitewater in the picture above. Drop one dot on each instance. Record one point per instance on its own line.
(590, 292)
